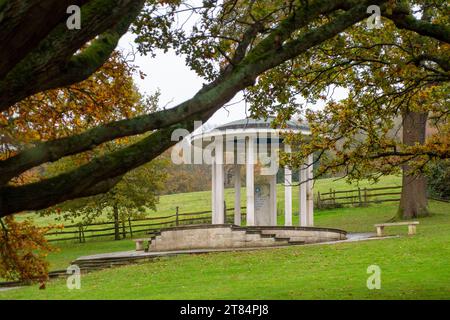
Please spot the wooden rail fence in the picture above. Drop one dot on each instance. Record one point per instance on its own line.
(357, 197)
(130, 227)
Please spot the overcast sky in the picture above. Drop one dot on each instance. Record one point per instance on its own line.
(177, 83)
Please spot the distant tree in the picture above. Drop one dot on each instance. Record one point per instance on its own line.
(108, 95)
(230, 44)
(131, 197)
(390, 74)
(185, 177)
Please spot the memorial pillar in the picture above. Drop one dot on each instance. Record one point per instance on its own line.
(213, 189)
(237, 194)
(273, 200)
(219, 200)
(250, 181)
(302, 197)
(310, 192)
(287, 192)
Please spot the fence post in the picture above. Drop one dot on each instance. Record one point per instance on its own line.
(359, 197)
(80, 230)
(365, 197)
(82, 234)
(116, 223)
(131, 228)
(224, 212)
(331, 197)
(176, 217)
(333, 192)
(124, 231)
(318, 200)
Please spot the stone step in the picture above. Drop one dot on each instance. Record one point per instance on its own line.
(117, 263)
(268, 235)
(95, 267)
(296, 242)
(57, 274)
(282, 239)
(90, 266)
(234, 235)
(106, 260)
(253, 231)
(11, 284)
(102, 266)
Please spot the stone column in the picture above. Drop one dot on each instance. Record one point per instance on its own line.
(219, 200)
(237, 194)
(250, 180)
(213, 189)
(310, 193)
(302, 197)
(287, 192)
(273, 200)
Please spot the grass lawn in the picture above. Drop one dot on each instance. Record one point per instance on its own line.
(412, 267)
(201, 201)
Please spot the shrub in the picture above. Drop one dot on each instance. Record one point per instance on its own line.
(438, 174)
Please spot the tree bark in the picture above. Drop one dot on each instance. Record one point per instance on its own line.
(70, 185)
(413, 202)
(87, 179)
(51, 56)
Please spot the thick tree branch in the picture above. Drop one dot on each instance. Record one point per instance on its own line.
(71, 185)
(19, 33)
(442, 62)
(209, 99)
(101, 187)
(275, 56)
(404, 20)
(85, 179)
(53, 62)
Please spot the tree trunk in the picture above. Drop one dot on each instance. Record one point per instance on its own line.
(413, 202)
(116, 223)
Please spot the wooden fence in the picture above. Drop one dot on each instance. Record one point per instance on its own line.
(131, 227)
(357, 197)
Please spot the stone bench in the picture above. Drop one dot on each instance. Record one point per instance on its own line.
(140, 243)
(411, 226)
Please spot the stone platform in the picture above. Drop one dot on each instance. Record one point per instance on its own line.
(224, 236)
(115, 259)
(122, 258)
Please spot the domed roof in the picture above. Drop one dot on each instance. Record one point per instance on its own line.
(251, 123)
(249, 126)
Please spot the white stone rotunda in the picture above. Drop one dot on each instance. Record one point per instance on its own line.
(246, 143)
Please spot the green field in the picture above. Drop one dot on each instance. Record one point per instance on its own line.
(201, 201)
(413, 267)
(194, 202)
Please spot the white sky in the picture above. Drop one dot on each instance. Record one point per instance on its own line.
(177, 83)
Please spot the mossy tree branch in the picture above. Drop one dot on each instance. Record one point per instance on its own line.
(263, 57)
(53, 61)
(404, 20)
(71, 184)
(100, 173)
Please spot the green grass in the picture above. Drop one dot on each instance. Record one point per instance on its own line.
(350, 219)
(201, 201)
(196, 202)
(413, 267)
